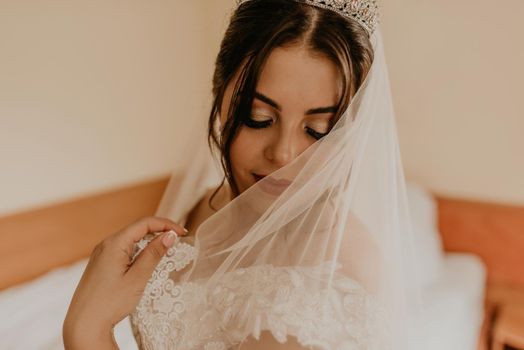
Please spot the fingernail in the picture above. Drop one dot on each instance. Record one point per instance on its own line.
(186, 230)
(169, 239)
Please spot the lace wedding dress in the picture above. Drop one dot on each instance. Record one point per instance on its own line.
(187, 316)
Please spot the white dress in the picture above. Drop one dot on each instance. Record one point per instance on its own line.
(187, 316)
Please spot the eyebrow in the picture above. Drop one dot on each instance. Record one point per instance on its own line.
(272, 103)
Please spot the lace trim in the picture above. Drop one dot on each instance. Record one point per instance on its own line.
(247, 301)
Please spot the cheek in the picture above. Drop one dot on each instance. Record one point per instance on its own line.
(246, 150)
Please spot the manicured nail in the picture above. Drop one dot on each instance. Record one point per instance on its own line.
(186, 230)
(169, 239)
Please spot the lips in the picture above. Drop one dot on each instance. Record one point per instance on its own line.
(271, 185)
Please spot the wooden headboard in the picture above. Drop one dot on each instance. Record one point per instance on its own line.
(495, 232)
(39, 240)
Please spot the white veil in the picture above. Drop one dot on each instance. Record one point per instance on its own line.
(329, 260)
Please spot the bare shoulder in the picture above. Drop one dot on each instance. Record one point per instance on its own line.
(360, 254)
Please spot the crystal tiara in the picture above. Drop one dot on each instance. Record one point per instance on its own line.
(364, 12)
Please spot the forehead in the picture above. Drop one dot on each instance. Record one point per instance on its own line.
(296, 76)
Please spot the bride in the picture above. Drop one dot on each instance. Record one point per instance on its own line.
(302, 239)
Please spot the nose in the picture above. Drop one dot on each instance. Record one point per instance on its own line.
(282, 149)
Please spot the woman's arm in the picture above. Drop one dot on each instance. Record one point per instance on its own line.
(83, 338)
(113, 283)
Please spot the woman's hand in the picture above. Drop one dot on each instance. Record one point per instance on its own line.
(112, 285)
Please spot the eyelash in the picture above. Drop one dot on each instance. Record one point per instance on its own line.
(250, 123)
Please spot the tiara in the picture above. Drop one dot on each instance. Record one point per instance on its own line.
(365, 12)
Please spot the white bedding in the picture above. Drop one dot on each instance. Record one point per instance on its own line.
(454, 305)
(31, 314)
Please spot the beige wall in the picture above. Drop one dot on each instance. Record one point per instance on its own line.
(97, 94)
(457, 74)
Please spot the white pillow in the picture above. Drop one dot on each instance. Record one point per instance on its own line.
(427, 241)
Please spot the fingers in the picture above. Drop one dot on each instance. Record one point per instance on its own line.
(145, 263)
(138, 229)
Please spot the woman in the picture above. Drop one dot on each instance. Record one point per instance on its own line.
(306, 241)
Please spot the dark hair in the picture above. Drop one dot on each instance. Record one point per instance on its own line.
(255, 29)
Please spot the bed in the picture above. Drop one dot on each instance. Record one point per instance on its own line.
(453, 292)
(33, 312)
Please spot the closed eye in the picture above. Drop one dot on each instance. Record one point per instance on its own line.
(255, 124)
(317, 135)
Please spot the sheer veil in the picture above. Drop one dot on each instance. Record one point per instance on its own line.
(329, 259)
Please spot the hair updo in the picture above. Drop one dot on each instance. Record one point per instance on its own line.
(255, 29)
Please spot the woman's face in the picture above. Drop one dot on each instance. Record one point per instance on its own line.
(296, 97)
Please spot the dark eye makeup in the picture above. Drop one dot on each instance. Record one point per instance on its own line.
(253, 124)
